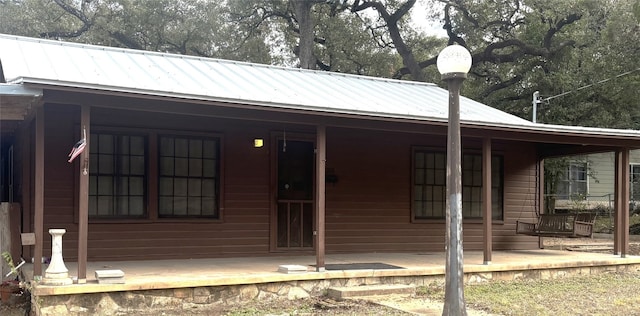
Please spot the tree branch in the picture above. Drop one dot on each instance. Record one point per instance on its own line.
(391, 21)
(86, 23)
(558, 26)
(501, 85)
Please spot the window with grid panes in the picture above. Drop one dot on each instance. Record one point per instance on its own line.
(189, 177)
(429, 185)
(117, 175)
(573, 182)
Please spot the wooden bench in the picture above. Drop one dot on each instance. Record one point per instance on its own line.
(559, 225)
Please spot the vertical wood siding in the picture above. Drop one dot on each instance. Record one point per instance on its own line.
(367, 210)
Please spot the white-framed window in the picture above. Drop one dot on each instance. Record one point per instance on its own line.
(574, 181)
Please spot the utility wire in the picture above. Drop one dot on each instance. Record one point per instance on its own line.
(590, 85)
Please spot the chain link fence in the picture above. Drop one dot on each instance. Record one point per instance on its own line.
(601, 205)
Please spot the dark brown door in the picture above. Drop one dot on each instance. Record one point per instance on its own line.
(294, 211)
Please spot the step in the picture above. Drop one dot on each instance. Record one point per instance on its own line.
(369, 290)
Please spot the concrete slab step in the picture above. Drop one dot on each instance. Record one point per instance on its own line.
(369, 290)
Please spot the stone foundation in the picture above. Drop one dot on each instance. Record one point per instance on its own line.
(202, 299)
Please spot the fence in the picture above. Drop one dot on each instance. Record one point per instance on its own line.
(602, 205)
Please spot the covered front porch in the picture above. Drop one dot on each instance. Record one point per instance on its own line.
(199, 283)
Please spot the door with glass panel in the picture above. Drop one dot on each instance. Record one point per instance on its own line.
(294, 211)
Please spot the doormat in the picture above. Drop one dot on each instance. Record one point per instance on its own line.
(360, 266)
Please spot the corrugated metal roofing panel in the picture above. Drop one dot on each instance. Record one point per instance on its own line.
(114, 69)
(30, 60)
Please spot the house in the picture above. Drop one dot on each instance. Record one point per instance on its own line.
(589, 181)
(190, 157)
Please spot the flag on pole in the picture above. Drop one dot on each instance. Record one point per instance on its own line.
(77, 149)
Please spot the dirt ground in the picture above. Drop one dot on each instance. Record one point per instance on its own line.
(418, 304)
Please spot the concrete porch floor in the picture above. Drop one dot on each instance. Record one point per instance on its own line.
(190, 273)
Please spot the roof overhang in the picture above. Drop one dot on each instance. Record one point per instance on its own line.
(575, 138)
(16, 100)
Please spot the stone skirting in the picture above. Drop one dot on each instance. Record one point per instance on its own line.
(192, 299)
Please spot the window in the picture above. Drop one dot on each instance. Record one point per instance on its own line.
(189, 177)
(186, 180)
(635, 182)
(573, 182)
(117, 179)
(429, 185)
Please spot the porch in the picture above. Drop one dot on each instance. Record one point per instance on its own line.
(205, 284)
(191, 273)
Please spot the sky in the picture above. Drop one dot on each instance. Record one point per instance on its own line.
(420, 18)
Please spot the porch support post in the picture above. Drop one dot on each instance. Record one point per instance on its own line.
(487, 202)
(621, 223)
(624, 233)
(38, 220)
(83, 196)
(617, 202)
(541, 200)
(27, 180)
(321, 161)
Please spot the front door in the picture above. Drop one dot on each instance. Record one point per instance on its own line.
(294, 210)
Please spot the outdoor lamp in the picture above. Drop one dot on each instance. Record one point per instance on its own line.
(453, 64)
(454, 60)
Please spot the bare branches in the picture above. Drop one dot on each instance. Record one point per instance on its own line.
(86, 22)
(391, 20)
(448, 26)
(558, 26)
(501, 84)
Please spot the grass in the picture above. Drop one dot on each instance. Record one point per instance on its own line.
(602, 294)
(605, 223)
(302, 307)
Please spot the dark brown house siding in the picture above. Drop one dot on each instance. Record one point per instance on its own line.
(368, 209)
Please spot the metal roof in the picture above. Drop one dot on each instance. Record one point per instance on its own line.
(27, 60)
(30, 60)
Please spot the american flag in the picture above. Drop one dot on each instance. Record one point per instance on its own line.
(77, 149)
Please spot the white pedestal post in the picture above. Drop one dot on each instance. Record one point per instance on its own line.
(57, 273)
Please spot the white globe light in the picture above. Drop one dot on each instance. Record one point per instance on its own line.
(454, 59)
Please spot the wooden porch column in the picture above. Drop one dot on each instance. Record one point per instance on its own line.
(487, 214)
(83, 195)
(26, 181)
(541, 200)
(621, 218)
(38, 217)
(617, 202)
(621, 224)
(321, 162)
(624, 214)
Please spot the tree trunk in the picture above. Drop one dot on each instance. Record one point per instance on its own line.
(302, 9)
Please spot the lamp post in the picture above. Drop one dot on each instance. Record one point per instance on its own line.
(453, 64)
